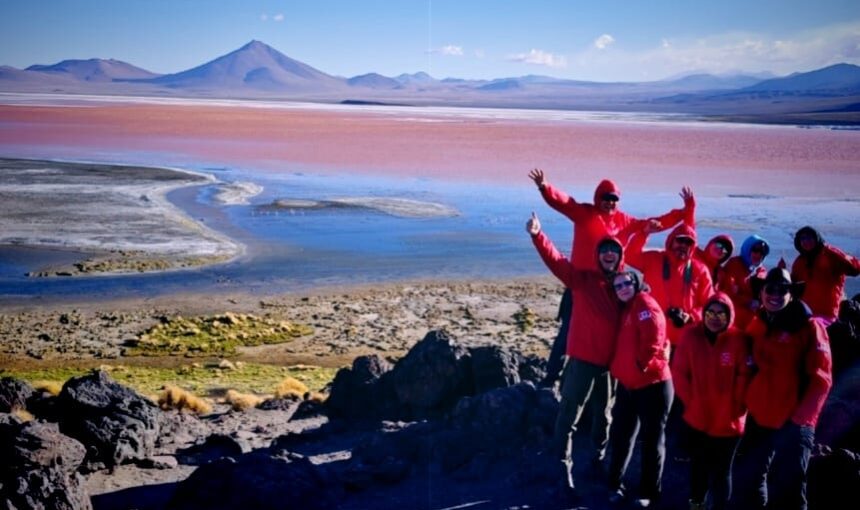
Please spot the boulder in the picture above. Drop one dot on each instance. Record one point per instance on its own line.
(14, 394)
(833, 478)
(38, 470)
(493, 367)
(359, 393)
(115, 424)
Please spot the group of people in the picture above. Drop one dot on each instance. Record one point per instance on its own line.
(744, 354)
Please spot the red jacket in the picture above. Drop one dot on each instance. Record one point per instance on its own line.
(590, 224)
(735, 281)
(674, 283)
(711, 379)
(791, 352)
(594, 318)
(642, 349)
(715, 266)
(824, 273)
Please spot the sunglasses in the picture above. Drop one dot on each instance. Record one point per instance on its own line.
(710, 314)
(686, 241)
(777, 289)
(609, 198)
(722, 247)
(609, 248)
(622, 285)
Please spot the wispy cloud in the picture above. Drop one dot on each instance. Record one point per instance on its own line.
(276, 17)
(604, 41)
(450, 49)
(539, 57)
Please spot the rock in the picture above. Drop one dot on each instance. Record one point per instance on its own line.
(432, 376)
(214, 447)
(39, 466)
(115, 424)
(833, 478)
(14, 394)
(493, 367)
(357, 393)
(257, 480)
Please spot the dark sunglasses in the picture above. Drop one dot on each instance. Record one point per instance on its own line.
(609, 248)
(609, 198)
(777, 289)
(622, 285)
(686, 241)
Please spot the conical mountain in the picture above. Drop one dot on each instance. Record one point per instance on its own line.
(257, 66)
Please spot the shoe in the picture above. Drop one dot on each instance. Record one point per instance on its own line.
(616, 497)
(643, 503)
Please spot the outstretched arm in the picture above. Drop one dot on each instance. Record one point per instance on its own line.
(554, 260)
(673, 217)
(844, 263)
(555, 198)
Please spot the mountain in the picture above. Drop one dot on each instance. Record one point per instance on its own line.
(420, 78)
(839, 78)
(373, 81)
(253, 66)
(704, 81)
(95, 70)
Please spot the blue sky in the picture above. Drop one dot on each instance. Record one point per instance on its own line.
(607, 40)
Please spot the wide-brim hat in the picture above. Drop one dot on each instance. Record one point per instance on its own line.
(781, 276)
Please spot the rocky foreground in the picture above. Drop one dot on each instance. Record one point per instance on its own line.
(446, 426)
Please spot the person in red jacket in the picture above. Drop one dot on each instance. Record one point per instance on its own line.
(739, 273)
(593, 222)
(710, 372)
(679, 283)
(791, 353)
(823, 268)
(645, 393)
(590, 345)
(715, 255)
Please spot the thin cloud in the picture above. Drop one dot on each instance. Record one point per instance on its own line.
(604, 41)
(452, 50)
(539, 57)
(278, 17)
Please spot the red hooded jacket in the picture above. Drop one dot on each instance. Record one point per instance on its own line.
(735, 280)
(642, 349)
(792, 354)
(715, 266)
(594, 318)
(674, 283)
(591, 224)
(711, 379)
(824, 273)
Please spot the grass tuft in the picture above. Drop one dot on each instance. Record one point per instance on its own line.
(51, 387)
(174, 397)
(291, 387)
(242, 401)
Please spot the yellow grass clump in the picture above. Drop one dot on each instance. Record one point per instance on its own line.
(291, 387)
(242, 401)
(174, 397)
(22, 414)
(315, 396)
(52, 387)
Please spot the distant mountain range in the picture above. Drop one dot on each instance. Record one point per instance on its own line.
(258, 71)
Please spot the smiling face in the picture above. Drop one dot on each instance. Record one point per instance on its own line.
(775, 296)
(624, 287)
(609, 255)
(682, 247)
(716, 317)
(609, 203)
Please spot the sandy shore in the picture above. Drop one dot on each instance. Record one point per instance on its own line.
(120, 214)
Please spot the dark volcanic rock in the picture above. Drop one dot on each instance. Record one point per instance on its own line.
(115, 424)
(38, 470)
(359, 393)
(257, 480)
(214, 447)
(834, 476)
(493, 367)
(14, 394)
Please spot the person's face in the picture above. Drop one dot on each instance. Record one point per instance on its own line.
(623, 286)
(756, 256)
(775, 296)
(682, 247)
(609, 203)
(608, 258)
(716, 317)
(717, 250)
(808, 242)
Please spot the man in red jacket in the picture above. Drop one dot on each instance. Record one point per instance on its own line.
(823, 268)
(711, 370)
(791, 352)
(593, 222)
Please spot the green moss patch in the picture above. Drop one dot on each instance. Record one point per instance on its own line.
(219, 335)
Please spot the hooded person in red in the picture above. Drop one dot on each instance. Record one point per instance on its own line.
(738, 274)
(823, 268)
(644, 394)
(590, 346)
(593, 222)
(791, 353)
(679, 283)
(715, 255)
(711, 371)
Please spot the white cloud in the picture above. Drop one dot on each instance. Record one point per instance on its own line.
(278, 17)
(264, 17)
(451, 50)
(604, 41)
(539, 57)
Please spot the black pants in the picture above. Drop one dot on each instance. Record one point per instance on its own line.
(779, 456)
(646, 408)
(556, 356)
(710, 466)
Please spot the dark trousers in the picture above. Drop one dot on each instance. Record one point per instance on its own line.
(582, 384)
(779, 456)
(710, 466)
(646, 409)
(556, 355)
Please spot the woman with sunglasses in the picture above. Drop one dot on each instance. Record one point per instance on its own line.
(710, 372)
(738, 274)
(791, 352)
(644, 394)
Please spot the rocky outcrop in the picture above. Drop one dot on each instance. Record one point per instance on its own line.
(38, 470)
(115, 424)
(14, 394)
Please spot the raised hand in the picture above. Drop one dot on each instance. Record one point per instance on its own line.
(687, 195)
(538, 177)
(533, 225)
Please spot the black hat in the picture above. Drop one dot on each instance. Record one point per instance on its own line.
(778, 276)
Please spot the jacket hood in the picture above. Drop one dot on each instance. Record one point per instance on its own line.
(727, 240)
(723, 299)
(808, 231)
(610, 240)
(682, 230)
(746, 248)
(606, 186)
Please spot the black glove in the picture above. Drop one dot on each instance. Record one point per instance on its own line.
(677, 316)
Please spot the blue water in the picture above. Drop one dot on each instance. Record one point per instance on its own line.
(302, 249)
